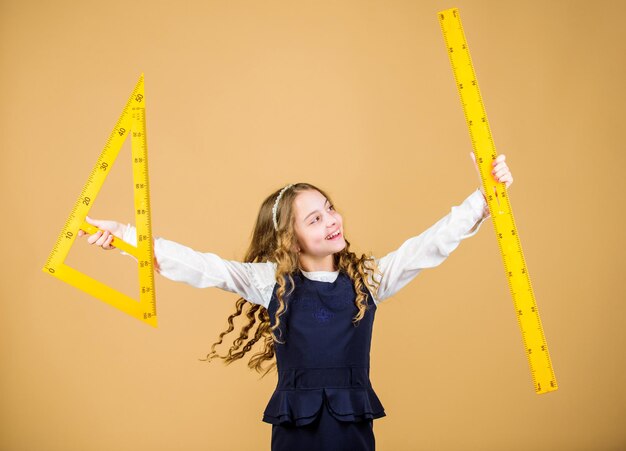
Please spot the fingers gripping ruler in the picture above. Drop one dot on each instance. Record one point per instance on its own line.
(131, 122)
(516, 271)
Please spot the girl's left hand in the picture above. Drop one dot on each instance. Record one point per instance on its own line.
(500, 171)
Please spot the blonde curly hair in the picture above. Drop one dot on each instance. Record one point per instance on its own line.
(280, 246)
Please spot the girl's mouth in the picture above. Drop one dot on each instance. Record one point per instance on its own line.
(334, 237)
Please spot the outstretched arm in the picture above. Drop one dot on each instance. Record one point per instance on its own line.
(252, 281)
(433, 246)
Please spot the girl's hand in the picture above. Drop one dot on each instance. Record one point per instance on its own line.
(500, 171)
(103, 237)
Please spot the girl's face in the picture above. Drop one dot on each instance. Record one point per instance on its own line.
(315, 220)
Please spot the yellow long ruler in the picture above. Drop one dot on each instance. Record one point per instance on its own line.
(132, 122)
(515, 268)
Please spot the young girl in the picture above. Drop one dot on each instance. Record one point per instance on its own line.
(315, 302)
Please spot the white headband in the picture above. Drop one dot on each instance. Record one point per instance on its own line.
(275, 209)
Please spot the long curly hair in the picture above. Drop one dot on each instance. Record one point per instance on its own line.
(280, 246)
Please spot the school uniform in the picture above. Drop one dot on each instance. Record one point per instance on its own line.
(324, 398)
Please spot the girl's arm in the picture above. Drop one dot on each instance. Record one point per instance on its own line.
(252, 281)
(434, 245)
(431, 247)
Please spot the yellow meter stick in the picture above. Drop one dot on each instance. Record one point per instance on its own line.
(131, 122)
(501, 213)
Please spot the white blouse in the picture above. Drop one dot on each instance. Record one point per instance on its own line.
(255, 281)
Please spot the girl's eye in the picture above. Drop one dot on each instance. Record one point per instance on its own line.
(332, 207)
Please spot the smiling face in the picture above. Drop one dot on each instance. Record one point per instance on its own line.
(316, 219)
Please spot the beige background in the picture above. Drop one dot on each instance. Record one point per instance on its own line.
(244, 97)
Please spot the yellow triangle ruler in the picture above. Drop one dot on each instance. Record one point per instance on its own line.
(132, 122)
(516, 271)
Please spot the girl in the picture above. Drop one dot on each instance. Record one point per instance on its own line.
(315, 302)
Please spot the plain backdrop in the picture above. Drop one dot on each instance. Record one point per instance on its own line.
(357, 97)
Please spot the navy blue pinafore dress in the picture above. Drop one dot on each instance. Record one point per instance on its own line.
(324, 399)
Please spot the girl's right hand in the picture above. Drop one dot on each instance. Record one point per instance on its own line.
(103, 237)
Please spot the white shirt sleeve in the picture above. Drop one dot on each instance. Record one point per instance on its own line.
(255, 281)
(252, 281)
(431, 247)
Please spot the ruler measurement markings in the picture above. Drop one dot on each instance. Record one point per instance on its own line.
(508, 239)
(145, 309)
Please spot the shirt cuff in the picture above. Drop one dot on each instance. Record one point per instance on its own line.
(130, 236)
(480, 209)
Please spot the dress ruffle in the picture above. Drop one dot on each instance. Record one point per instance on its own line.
(302, 406)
